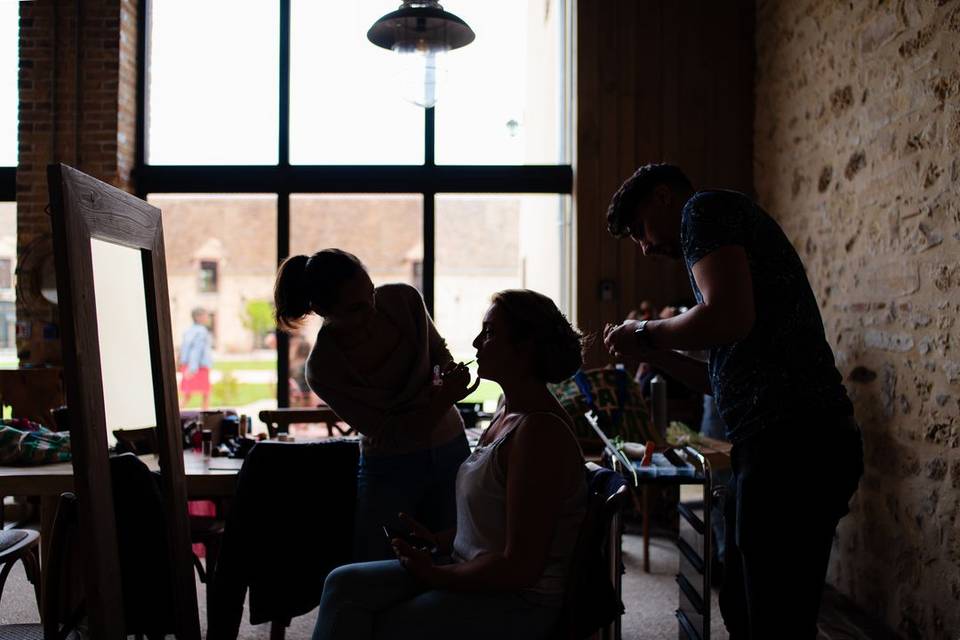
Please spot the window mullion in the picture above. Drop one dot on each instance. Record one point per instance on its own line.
(429, 222)
(283, 158)
(283, 340)
(429, 252)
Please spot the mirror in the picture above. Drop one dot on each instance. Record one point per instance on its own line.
(126, 368)
(119, 372)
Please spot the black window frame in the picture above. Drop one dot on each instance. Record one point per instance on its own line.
(8, 175)
(284, 179)
(8, 184)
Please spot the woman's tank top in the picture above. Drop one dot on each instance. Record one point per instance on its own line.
(482, 514)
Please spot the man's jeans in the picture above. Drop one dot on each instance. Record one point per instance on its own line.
(790, 486)
(381, 600)
(421, 483)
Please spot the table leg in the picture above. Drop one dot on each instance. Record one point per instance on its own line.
(646, 529)
(48, 512)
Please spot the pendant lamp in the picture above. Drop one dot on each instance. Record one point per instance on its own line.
(421, 33)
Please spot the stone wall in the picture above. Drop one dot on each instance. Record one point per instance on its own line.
(857, 154)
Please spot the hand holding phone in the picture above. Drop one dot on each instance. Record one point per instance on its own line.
(411, 539)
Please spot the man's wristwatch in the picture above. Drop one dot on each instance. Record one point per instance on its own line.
(642, 336)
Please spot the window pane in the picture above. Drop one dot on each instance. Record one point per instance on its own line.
(344, 105)
(8, 283)
(213, 82)
(235, 237)
(9, 56)
(385, 231)
(486, 243)
(501, 99)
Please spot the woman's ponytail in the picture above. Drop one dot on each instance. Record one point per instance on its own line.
(313, 283)
(291, 293)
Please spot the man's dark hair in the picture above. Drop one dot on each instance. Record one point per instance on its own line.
(637, 188)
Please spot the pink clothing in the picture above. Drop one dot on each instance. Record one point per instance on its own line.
(197, 382)
(379, 405)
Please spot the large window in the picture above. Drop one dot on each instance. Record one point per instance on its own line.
(343, 107)
(385, 230)
(486, 243)
(9, 60)
(212, 94)
(290, 99)
(231, 241)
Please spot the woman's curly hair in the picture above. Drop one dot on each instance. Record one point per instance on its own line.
(558, 347)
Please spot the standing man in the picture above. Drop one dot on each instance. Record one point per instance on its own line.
(796, 453)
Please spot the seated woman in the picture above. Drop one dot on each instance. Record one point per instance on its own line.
(521, 498)
(373, 363)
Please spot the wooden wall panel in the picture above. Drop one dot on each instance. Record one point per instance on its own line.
(656, 82)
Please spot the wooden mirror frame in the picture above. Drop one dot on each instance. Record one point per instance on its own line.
(84, 208)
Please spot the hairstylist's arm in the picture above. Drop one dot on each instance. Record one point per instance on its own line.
(537, 479)
(401, 427)
(456, 386)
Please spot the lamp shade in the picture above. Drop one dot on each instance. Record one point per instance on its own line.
(420, 25)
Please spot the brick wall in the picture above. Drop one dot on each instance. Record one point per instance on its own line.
(857, 140)
(77, 106)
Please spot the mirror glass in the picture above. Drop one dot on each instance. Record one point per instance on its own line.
(120, 293)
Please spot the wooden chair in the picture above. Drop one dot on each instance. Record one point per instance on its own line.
(20, 545)
(316, 540)
(279, 420)
(139, 442)
(59, 603)
(204, 530)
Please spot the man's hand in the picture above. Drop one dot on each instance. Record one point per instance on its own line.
(621, 341)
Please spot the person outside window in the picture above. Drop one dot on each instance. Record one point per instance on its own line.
(196, 359)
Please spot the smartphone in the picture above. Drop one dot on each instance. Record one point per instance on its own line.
(411, 539)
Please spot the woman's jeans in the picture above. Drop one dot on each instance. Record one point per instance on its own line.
(791, 484)
(420, 483)
(381, 600)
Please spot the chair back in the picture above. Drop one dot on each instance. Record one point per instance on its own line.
(145, 573)
(303, 494)
(139, 442)
(590, 600)
(279, 420)
(146, 576)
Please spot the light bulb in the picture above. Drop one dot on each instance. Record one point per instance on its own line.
(421, 68)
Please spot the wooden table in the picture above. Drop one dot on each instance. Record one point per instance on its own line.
(210, 478)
